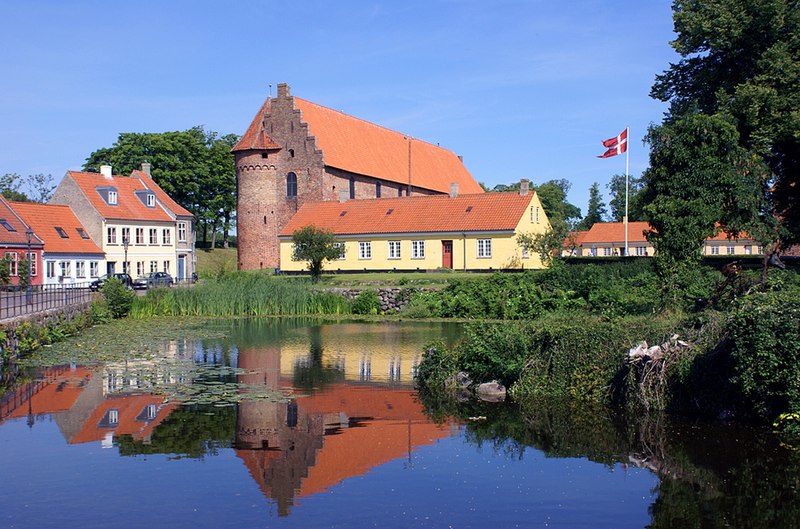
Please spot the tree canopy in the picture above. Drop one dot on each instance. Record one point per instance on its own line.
(616, 188)
(195, 167)
(315, 246)
(40, 187)
(596, 210)
(740, 63)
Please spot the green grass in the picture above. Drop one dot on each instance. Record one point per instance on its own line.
(215, 263)
(395, 279)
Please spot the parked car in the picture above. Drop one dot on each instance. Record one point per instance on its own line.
(98, 283)
(153, 279)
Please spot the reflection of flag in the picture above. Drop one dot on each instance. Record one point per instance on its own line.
(616, 145)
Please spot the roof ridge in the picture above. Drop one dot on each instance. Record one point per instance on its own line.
(409, 136)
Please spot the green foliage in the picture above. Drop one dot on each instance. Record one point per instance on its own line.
(119, 297)
(366, 302)
(315, 246)
(5, 270)
(616, 188)
(595, 211)
(22, 271)
(765, 334)
(99, 312)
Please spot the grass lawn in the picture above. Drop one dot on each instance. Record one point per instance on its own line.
(211, 263)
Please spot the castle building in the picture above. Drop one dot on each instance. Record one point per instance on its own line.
(296, 152)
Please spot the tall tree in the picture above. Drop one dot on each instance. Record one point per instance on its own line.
(616, 188)
(596, 210)
(41, 187)
(315, 246)
(740, 61)
(194, 167)
(10, 187)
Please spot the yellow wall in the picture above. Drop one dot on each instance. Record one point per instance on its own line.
(146, 252)
(505, 251)
(739, 247)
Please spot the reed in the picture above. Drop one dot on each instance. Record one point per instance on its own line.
(241, 294)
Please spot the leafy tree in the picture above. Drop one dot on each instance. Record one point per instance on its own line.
(315, 246)
(595, 211)
(195, 167)
(10, 184)
(5, 270)
(562, 216)
(616, 189)
(24, 277)
(41, 187)
(740, 61)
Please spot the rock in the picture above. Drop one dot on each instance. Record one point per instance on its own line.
(491, 391)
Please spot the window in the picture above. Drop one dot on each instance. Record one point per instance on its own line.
(641, 251)
(182, 230)
(126, 235)
(50, 269)
(166, 266)
(365, 250)
(534, 214)
(525, 252)
(593, 251)
(80, 269)
(66, 268)
(61, 232)
(82, 233)
(399, 191)
(33, 263)
(94, 268)
(394, 249)
(139, 235)
(748, 249)
(151, 200)
(150, 411)
(12, 263)
(4, 223)
(166, 236)
(352, 187)
(154, 266)
(140, 268)
(113, 416)
(760, 250)
(111, 235)
(340, 245)
(377, 190)
(606, 251)
(112, 198)
(291, 185)
(418, 249)
(153, 237)
(731, 249)
(715, 250)
(484, 248)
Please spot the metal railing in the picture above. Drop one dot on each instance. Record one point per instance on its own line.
(16, 301)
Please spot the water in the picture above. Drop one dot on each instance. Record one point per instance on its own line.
(341, 439)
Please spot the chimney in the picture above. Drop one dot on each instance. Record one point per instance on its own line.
(146, 168)
(523, 187)
(344, 194)
(283, 90)
(105, 170)
(453, 189)
(460, 158)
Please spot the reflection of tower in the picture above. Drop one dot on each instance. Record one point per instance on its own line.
(258, 421)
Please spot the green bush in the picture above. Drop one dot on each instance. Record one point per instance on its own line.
(119, 297)
(99, 312)
(366, 302)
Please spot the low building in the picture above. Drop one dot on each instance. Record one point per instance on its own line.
(69, 256)
(724, 244)
(466, 232)
(16, 237)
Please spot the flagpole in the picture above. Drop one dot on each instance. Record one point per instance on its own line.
(627, 172)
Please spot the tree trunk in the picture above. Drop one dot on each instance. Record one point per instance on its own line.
(214, 234)
(226, 226)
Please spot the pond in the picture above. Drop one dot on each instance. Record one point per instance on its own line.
(305, 424)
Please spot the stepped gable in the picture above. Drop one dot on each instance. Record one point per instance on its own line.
(422, 214)
(256, 138)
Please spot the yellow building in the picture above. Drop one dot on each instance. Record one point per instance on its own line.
(466, 232)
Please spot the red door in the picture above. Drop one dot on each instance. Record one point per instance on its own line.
(447, 254)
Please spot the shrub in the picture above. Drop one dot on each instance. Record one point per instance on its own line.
(99, 312)
(119, 297)
(366, 302)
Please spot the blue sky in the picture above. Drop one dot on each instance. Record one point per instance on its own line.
(520, 89)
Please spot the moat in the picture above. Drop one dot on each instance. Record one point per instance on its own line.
(307, 424)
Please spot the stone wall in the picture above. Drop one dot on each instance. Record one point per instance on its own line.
(392, 299)
(56, 316)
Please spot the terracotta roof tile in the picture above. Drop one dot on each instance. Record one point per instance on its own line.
(16, 235)
(44, 218)
(129, 206)
(607, 232)
(574, 238)
(421, 214)
(362, 147)
(256, 138)
(161, 195)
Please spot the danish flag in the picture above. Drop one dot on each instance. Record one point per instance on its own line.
(616, 145)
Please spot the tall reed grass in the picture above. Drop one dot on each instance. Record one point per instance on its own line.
(240, 294)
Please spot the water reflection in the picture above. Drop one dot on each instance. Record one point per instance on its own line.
(353, 409)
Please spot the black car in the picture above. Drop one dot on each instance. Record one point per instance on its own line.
(98, 283)
(153, 279)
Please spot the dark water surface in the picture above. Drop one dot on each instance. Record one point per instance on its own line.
(326, 430)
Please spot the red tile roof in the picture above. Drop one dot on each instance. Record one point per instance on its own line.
(256, 137)
(44, 218)
(129, 206)
(608, 232)
(421, 214)
(161, 195)
(17, 236)
(574, 238)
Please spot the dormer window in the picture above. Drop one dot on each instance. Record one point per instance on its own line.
(61, 232)
(112, 197)
(4, 223)
(151, 200)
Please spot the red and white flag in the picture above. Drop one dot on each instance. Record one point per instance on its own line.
(616, 145)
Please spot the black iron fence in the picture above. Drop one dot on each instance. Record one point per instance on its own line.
(16, 301)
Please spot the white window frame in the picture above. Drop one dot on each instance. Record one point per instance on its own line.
(364, 250)
(526, 254)
(342, 246)
(166, 236)
(65, 267)
(166, 266)
(748, 249)
(151, 200)
(484, 248)
(139, 268)
(153, 237)
(182, 231)
(13, 264)
(418, 249)
(154, 266)
(32, 259)
(126, 235)
(140, 236)
(94, 269)
(714, 249)
(50, 269)
(112, 198)
(394, 250)
(607, 251)
(80, 269)
(111, 235)
(731, 249)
